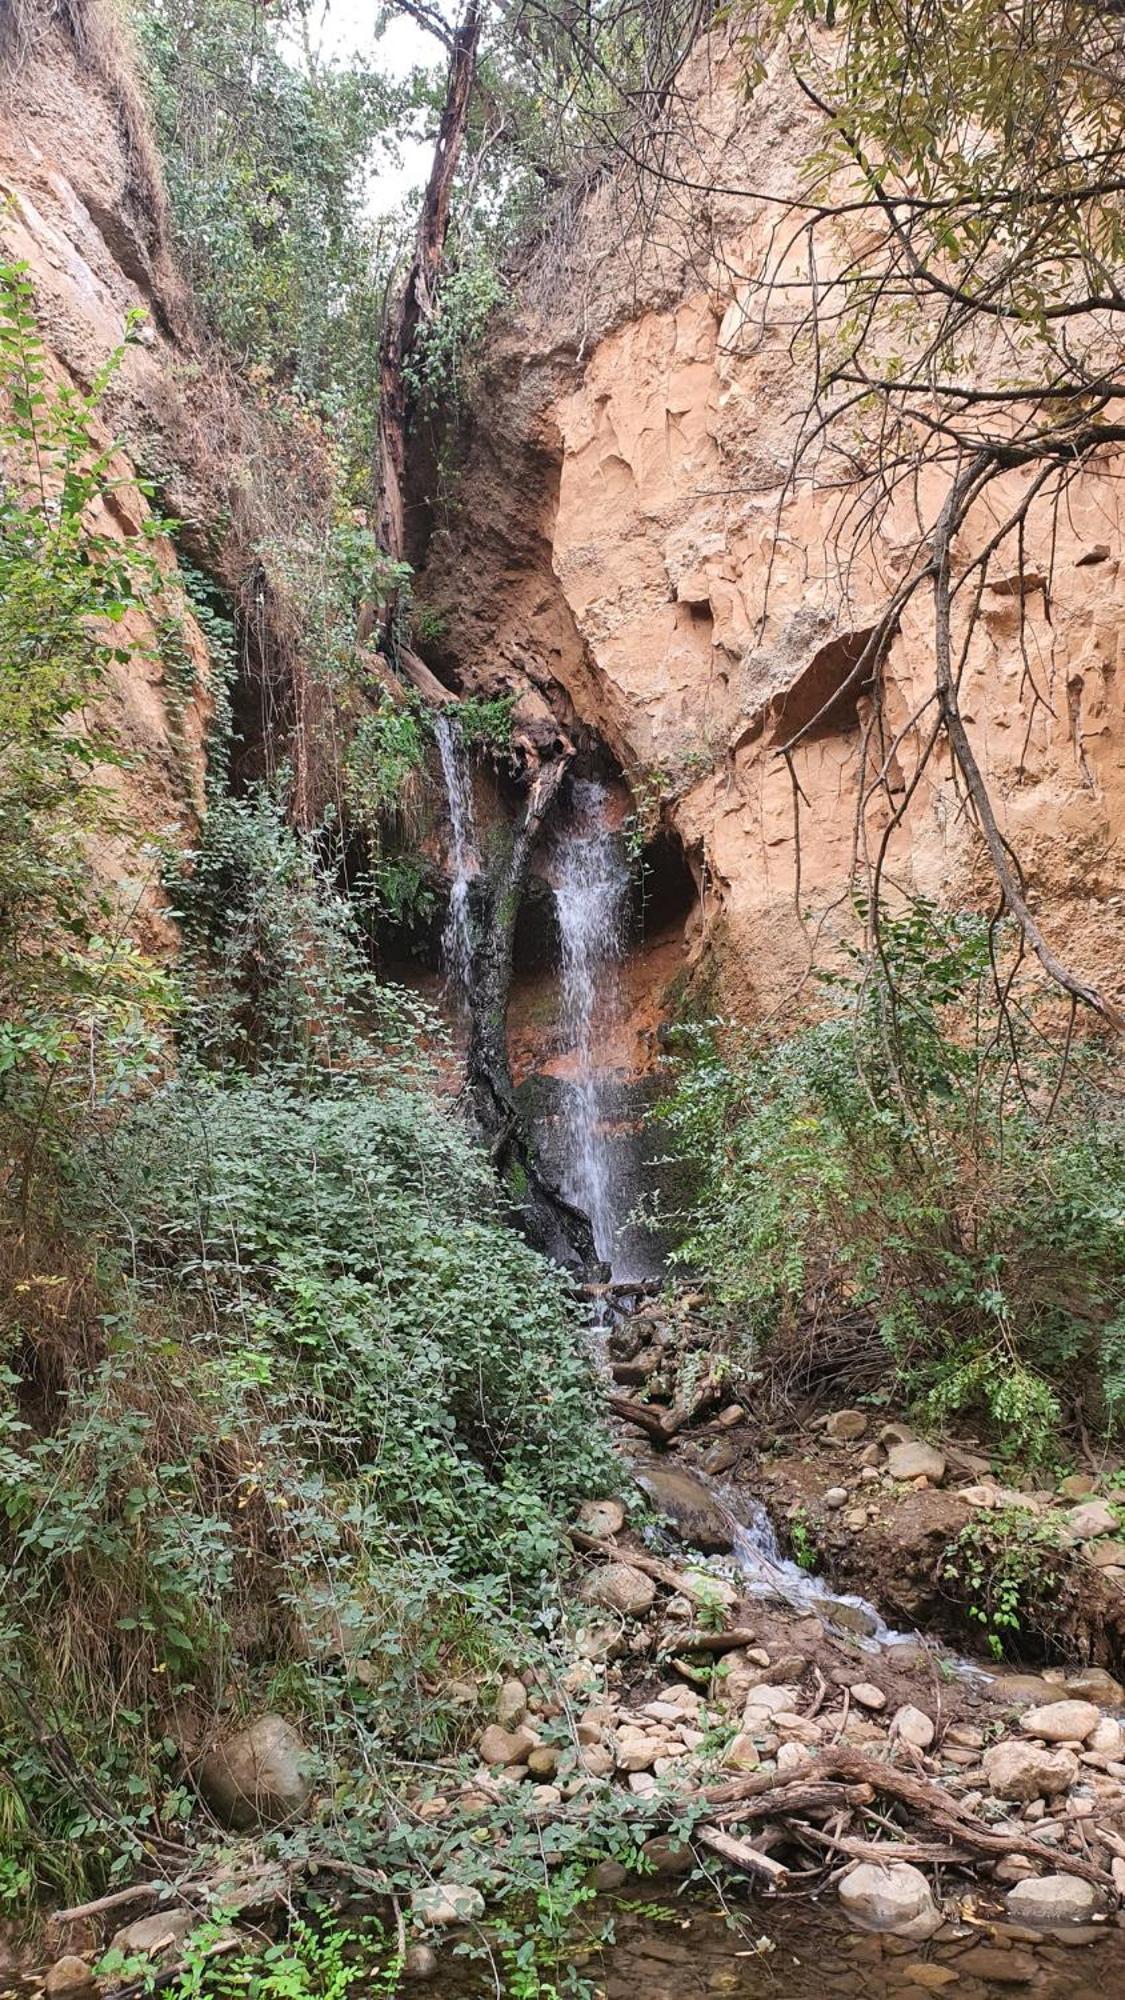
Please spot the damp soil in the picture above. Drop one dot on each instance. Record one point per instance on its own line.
(795, 1949)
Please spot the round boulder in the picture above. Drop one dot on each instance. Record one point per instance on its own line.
(619, 1587)
(845, 1426)
(1047, 1900)
(1061, 1721)
(258, 1776)
(1025, 1771)
(914, 1726)
(894, 1899)
(692, 1508)
(916, 1461)
(68, 1978)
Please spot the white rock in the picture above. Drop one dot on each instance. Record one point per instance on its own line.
(793, 1757)
(741, 1754)
(1093, 1518)
(767, 1700)
(637, 1750)
(914, 1726)
(836, 1496)
(895, 1898)
(1108, 1739)
(1052, 1899)
(1061, 1721)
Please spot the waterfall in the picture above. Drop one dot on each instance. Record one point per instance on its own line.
(591, 900)
(457, 938)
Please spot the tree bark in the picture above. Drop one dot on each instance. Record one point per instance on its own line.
(415, 302)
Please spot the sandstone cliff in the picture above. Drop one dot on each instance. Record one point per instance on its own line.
(629, 537)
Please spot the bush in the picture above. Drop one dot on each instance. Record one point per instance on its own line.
(913, 1157)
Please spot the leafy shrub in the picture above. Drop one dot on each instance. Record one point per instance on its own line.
(1006, 1573)
(910, 1158)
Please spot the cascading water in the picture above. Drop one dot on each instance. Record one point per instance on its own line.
(591, 901)
(464, 863)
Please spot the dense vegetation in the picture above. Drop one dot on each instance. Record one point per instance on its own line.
(283, 1397)
(929, 1158)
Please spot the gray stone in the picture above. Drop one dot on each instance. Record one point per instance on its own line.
(916, 1461)
(846, 1426)
(1061, 1721)
(1053, 1899)
(443, 1903)
(691, 1507)
(258, 1776)
(1024, 1771)
(148, 1935)
(1105, 1555)
(836, 1496)
(668, 1857)
(608, 1876)
(895, 1899)
(619, 1587)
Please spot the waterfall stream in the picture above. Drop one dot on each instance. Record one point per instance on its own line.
(464, 862)
(591, 901)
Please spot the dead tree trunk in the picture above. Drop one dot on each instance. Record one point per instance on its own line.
(414, 304)
(551, 1221)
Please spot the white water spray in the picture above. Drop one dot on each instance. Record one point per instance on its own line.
(457, 938)
(591, 899)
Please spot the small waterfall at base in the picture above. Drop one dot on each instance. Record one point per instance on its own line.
(592, 901)
(457, 937)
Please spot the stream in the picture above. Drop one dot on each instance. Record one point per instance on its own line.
(654, 1943)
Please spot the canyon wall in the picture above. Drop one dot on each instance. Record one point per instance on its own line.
(629, 536)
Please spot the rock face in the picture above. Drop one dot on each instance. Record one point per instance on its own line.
(648, 553)
(895, 1899)
(258, 1777)
(685, 1501)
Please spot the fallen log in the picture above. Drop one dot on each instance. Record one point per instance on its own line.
(712, 1642)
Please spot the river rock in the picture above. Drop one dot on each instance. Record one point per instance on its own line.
(771, 1700)
(916, 1461)
(637, 1750)
(741, 1754)
(440, 1904)
(691, 1507)
(868, 1695)
(668, 1857)
(601, 1518)
(1076, 1486)
(1093, 1518)
(836, 1496)
(166, 1929)
(1107, 1740)
(619, 1587)
(1061, 1721)
(1105, 1555)
(68, 1978)
(506, 1746)
(258, 1776)
(846, 1426)
(1052, 1899)
(1094, 1684)
(511, 1704)
(913, 1725)
(1025, 1771)
(895, 1898)
(793, 1757)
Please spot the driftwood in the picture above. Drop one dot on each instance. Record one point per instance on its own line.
(713, 1642)
(740, 1855)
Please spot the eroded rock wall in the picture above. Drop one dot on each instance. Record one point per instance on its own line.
(629, 529)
